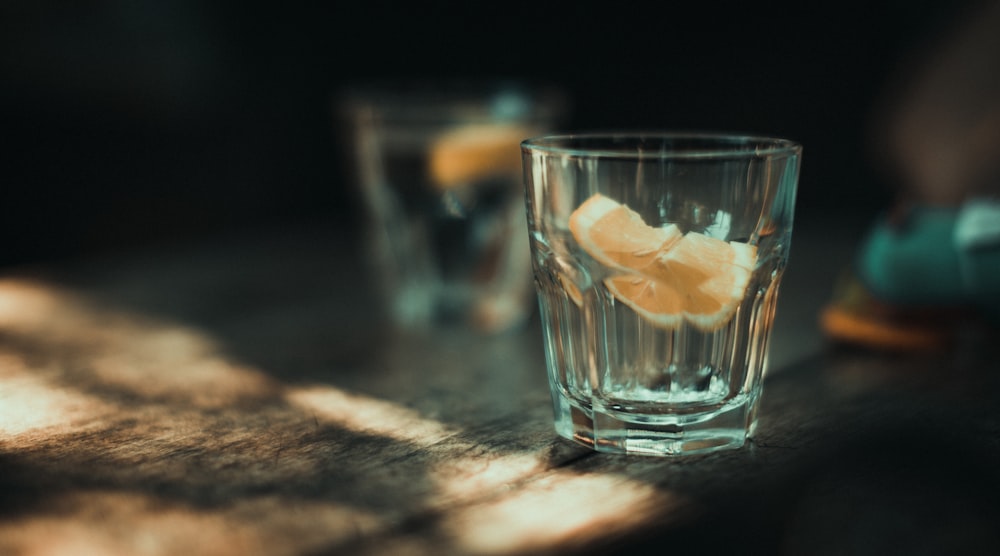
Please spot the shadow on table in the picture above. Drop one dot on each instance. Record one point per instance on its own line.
(858, 453)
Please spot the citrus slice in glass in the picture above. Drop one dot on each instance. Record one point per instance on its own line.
(700, 279)
(476, 152)
(571, 290)
(617, 236)
(670, 277)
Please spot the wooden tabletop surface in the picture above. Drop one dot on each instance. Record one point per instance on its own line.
(240, 396)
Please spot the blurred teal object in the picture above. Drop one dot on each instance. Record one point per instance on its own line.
(936, 256)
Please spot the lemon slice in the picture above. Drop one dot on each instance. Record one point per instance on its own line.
(617, 236)
(474, 152)
(670, 278)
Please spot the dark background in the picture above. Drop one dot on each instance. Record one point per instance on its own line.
(133, 123)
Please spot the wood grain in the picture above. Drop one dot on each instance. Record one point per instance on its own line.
(243, 398)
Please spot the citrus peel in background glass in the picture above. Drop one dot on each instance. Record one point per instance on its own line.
(475, 152)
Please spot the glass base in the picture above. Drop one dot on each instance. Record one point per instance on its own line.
(418, 308)
(724, 428)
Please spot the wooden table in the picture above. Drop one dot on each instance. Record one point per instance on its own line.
(240, 396)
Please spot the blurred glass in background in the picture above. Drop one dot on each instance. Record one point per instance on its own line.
(439, 171)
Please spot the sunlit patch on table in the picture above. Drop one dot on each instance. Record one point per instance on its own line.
(364, 414)
(560, 509)
(117, 523)
(29, 403)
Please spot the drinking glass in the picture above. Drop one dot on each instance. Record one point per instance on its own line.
(440, 176)
(657, 260)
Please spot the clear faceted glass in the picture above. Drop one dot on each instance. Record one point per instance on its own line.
(619, 382)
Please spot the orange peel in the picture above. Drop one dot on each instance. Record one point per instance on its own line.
(666, 277)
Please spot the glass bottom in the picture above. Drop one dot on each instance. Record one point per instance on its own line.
(723, 428)
(420, 307)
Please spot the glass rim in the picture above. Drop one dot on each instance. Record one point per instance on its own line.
(728, 145)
